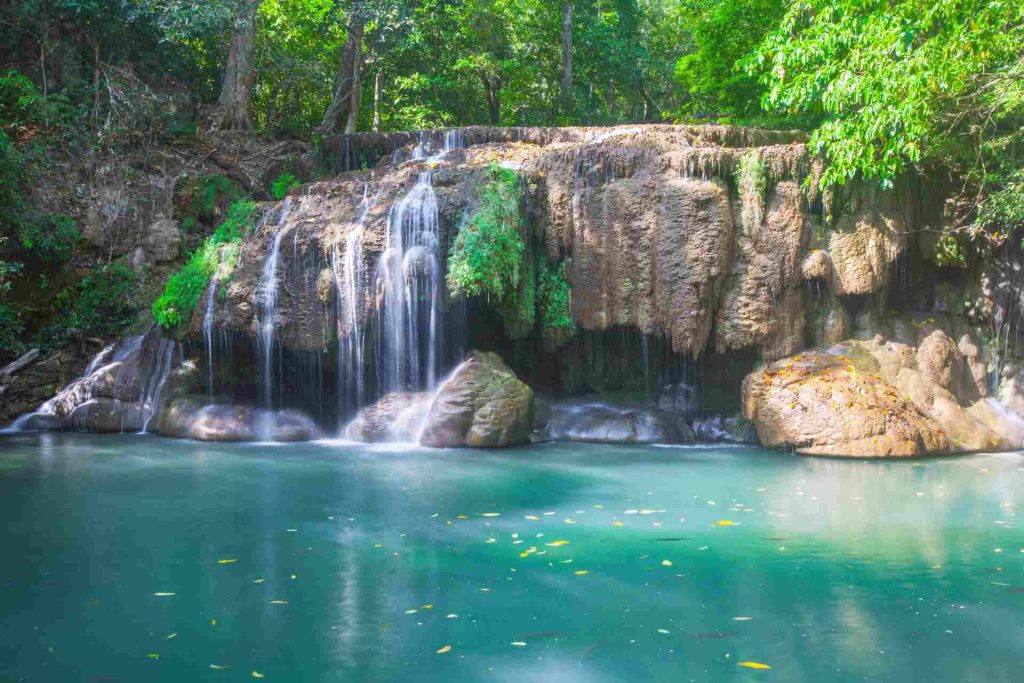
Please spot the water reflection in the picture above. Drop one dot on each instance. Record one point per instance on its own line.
(330, 562)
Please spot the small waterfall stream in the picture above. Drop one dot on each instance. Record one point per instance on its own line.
(160, 366)
(266, 304)
(349, 275)
(211, 297)
(409, 277)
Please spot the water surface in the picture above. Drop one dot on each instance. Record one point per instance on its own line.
(141, 559)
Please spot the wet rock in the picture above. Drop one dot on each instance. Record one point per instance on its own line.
(482, 405)
(104, 416)
(191, 419)
(161, 242)
(395, 418)
(604, 423)
(719, 429)
(875, 398)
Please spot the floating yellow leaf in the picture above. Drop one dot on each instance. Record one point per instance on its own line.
(726, 522)
(257, 674)
(533, 517)
(582, 572)
(490, 514)
(666, 563)
(446, 648)
(231, 561)
(430, 606)
(461, 517)
(518, 643)
(153, 655)
(556, 544)
(259, 580)
(754, 665)
(618, 523)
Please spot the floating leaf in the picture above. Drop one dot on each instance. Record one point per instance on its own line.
(555, 544)
(173, 635)
(490, 514)
(754, 665)
(726, 522)
(742, 618)
(278, 602)
(533, 517)
(218, 667)
(164, 595)
(518, 643)
(664, 631)
(259, 580)
(231, 561)
(446, 648)
(257, 674)
(153, 655)
(666, 563)
(581, 572)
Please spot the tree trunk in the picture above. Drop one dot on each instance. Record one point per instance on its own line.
(378, 92)
(337, 112)
(492, 85)
(236, 88)
(567, 58)
(356, 100)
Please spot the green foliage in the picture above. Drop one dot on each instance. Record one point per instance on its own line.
(897, 80)
(721, 34)
(202, 196)
(282, 185)
(48, 237)
(184, 288)
(487, 257)
(98, 305)
(554, 302)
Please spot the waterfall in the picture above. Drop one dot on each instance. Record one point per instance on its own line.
(211, 296)
(409, 280)
(266, 304)
(159, 370)
(349, 275)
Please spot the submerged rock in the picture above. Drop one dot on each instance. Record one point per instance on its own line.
(604, 423)
(878, 398)
(190, 419)
(396, 417)
(482, 405)
(719, 429)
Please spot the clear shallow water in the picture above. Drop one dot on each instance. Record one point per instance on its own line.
(846, 570)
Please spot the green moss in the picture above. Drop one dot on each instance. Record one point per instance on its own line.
(282, 185)
(487, 258)
(183, 290)
(554, 303)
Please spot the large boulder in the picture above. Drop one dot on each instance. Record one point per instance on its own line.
(191, 419)
(877, 398)
(603, 423)
(395, 418)
(161, 241)
(482, 405)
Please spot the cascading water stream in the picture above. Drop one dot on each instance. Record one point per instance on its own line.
(349, 275)
(159, 370)
(409, 278)
(266, 304)
(211, 296)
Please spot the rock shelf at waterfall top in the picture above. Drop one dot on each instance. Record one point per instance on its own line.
(703, 287)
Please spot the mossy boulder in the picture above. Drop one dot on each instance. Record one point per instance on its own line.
(482, 405)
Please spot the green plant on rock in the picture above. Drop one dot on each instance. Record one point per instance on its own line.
(98, 305)
(282, 185)
(183, 290)
(203, 194)
(51, 238)
(554, 303)
(487, 257)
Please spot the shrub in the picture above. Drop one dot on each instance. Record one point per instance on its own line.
(554, 301)
(284, 184)
(98, 305)
(48, 237)
(184, 289)
(486, 259)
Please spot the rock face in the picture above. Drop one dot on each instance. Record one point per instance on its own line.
(603, 423)
(161, 242)
(190, 419)
(482, 405)
(878, 398)
(394, 418)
